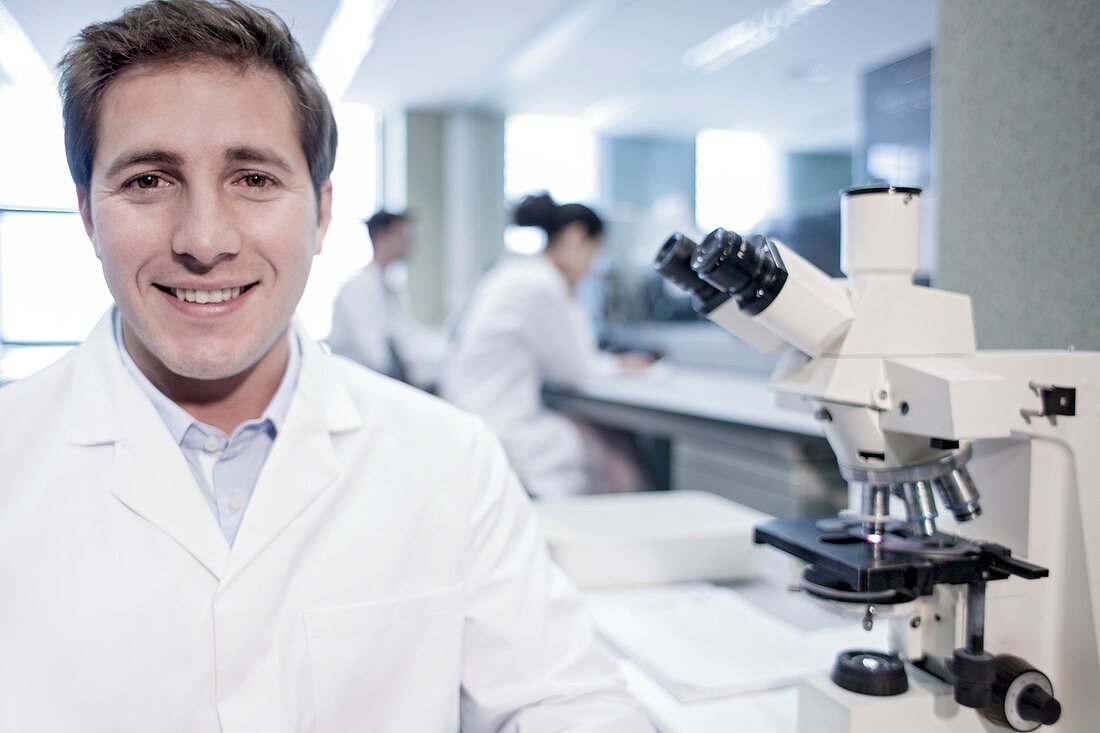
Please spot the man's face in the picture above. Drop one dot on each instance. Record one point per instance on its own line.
(396, 242)
(403, 239)
(202, 211)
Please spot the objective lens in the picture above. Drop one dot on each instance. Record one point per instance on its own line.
(959, 494)
(673, 262)
(876, 508)
(920, 507)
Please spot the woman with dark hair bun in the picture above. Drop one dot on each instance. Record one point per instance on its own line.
(524, 328)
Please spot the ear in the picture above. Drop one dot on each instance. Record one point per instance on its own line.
(324, 215)
(84, 204)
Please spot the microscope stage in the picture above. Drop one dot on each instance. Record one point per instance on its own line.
(862, 566)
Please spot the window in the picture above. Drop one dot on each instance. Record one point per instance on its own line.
(51, 286)
(354, 198)
(737, 178)
(553, 154)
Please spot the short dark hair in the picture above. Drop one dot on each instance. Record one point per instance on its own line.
(539, 210)
(383, 220)
(172, 31)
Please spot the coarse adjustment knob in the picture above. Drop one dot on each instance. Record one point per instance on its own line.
(1023, 698)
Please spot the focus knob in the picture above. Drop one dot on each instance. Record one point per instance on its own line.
(1022, 698)
(1039, 706)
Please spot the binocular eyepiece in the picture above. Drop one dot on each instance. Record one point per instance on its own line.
(726, 265)
(673, 263)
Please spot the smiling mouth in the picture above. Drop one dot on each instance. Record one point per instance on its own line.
(206, 296)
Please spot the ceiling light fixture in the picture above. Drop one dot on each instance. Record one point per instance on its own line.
(749, 35)
(560, 35)
(348, 38)
(611, 108)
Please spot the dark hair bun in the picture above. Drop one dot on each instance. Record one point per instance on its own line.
(537, 210)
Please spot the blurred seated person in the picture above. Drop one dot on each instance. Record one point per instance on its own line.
(524, 328)
(370, 322)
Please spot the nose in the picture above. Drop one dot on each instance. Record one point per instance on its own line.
(208, 231)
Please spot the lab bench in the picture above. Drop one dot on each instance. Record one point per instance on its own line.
(726, 435)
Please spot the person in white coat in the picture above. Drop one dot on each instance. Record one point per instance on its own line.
(523, 329)
(206, 522)
(369, 320)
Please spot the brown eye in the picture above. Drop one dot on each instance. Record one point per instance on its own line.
(147, 181)
(255, 180)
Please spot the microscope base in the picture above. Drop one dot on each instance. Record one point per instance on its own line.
(927, 707)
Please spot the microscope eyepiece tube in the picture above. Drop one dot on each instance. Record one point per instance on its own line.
(726, 261)
(673, 263)
(745, 268)
(776, 287)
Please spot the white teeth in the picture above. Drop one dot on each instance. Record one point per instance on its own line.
(207, 296)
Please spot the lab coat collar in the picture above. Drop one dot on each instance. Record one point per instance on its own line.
(303, 461)
(151, 476)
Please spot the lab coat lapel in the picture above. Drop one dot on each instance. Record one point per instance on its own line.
(149, 473)
(303, 461)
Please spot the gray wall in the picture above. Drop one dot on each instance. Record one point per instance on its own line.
(424, 198)
(1017, 124)
(814, 181)
(447, 167)
(639, 171)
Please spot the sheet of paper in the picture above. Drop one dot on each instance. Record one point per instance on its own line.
(704, 641)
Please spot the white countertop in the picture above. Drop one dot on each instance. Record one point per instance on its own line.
(705, 393)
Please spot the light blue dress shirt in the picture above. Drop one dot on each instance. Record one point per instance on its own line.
(225, 467)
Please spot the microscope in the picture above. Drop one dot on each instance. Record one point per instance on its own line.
(981, 639)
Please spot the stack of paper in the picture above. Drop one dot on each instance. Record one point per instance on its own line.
(703, 641)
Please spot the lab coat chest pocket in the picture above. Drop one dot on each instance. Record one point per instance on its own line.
(388, 665)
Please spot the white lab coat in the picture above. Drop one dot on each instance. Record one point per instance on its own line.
(366, 317)
(523, 329)
(388, 574)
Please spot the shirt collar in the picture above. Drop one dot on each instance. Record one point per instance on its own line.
(178, 420)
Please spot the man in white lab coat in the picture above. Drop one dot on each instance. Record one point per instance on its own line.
(369, 322)
(208, 524)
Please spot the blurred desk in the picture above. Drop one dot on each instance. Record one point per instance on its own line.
(669, 392)
(727, 435)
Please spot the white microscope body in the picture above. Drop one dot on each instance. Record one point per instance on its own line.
(911, 408)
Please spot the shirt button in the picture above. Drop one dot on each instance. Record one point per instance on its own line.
(234, 505)
(212, 443)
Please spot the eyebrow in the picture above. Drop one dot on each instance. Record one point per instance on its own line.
(256, 155)
(144, 157)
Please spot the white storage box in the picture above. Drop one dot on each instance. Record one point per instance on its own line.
(657, 537)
